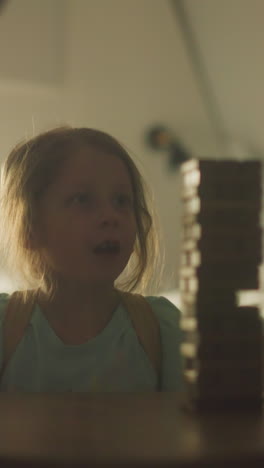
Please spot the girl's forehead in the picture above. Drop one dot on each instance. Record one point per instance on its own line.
(94, 165)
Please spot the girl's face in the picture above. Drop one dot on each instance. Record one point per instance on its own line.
(87, 226)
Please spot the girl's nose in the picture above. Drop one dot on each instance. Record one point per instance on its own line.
(108, 215)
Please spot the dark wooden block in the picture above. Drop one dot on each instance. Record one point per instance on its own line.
(202, 170)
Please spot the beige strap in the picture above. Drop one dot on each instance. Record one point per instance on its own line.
(17, 316)
(146, 325)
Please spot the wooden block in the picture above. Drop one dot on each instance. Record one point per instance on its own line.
(224, 322)
(201, 170)
(223, 348)
(222, 394)
(202, 301)
(222, 245)
(222, 212)
(239, 219)
(232, 276)
(216, 190)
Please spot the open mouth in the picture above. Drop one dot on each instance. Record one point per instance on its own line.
(107, 247)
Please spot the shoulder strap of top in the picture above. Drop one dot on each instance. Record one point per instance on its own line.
(147, 327)
(17, 316)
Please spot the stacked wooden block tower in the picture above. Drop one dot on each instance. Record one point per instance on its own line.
(221, 255)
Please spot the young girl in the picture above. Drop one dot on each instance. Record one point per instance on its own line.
(74, 217)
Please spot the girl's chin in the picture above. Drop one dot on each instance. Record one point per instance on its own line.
(96, 281)
(101, 273)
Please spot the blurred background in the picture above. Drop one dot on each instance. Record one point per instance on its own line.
(126, 66)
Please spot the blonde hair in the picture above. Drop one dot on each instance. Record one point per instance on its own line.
(29, 170)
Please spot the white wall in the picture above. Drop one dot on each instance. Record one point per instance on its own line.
(230, 36)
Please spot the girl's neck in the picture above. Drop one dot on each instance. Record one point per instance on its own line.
(80, 306)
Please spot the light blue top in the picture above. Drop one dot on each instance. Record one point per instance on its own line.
(113, 361)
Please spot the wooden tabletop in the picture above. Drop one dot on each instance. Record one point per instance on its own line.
(131, 429)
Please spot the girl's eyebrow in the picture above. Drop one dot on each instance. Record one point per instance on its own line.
(124, 186)
(89, 186)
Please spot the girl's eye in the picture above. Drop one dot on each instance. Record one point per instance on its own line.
(81, 198)
(123, 200)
